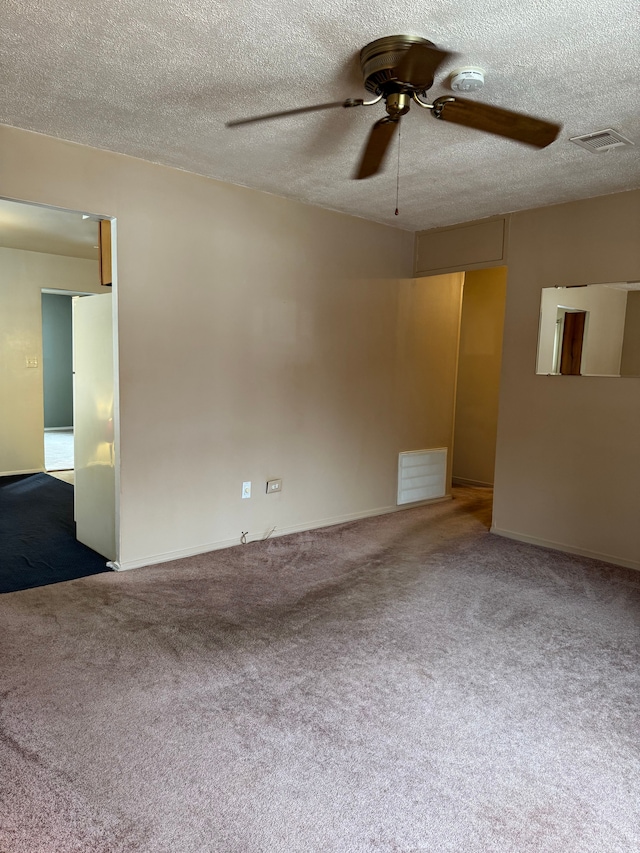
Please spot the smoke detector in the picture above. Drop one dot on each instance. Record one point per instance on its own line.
(469, 79)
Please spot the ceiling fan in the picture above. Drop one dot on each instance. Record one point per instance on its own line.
(399, 70)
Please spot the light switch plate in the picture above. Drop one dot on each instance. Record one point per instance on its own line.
(246, 490)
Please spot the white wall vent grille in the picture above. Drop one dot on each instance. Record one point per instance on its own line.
(601, 140)
(422, 475)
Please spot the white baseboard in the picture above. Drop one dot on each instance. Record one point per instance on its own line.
(125, 565)
(25, 471)
(567, 549)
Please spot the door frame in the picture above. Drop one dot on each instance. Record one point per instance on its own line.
(114, 290)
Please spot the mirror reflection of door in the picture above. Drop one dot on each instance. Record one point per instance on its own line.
(610, 336)
(572, 342)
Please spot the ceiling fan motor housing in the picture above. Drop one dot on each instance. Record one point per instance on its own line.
(379, 58)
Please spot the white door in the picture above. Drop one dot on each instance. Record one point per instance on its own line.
(94, 461)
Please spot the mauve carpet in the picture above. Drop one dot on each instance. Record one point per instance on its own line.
(403, 684)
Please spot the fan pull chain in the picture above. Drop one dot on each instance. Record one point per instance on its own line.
(398, 172)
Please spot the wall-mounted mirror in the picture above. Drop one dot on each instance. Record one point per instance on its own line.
(591, 330)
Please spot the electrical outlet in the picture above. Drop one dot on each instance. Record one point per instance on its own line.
(246, 490)
(274, 486)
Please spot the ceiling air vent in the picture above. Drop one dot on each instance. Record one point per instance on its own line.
(601, 140)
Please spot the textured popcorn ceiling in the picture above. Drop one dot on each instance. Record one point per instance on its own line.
(158, 80)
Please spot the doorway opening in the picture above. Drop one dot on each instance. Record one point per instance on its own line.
(478, 377)
(56, 255)
(474, 344)
(57, 380)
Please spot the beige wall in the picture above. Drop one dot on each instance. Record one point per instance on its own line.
(22, 277)
(568, 462)
(630, 362)
(568, 454)
(258, 338)
(476, 413)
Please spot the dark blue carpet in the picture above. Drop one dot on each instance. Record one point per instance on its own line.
(38, 543)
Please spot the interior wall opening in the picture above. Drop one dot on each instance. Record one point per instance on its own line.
(56, 255)
(478, 380)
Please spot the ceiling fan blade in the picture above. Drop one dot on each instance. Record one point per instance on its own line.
(350, 102)
(376, 147)
(522, 128)
(419, 65)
